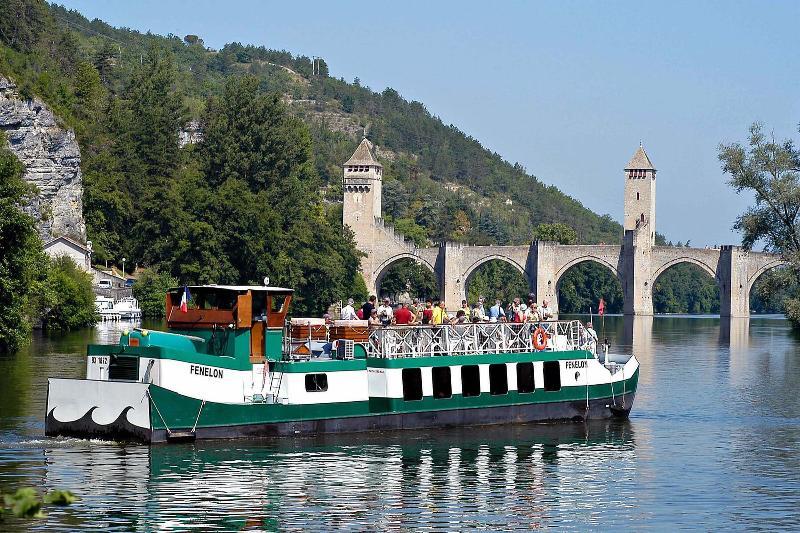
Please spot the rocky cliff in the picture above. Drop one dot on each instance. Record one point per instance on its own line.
(52, 162)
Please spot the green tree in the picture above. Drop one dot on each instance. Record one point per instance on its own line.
(770, 170)
(149, 290)
(496, 280)
(560, 233)
(21, 254)
(67, 300)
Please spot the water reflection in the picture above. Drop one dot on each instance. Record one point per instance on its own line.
(523, 477)
(712, 443)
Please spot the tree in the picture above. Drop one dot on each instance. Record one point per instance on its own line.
(770, 170)
(560, 233)
(150, 289)
(21, 254)
(67, 299)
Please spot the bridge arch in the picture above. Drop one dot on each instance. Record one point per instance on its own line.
(762, 270)
(493, 257)
(388, 263)
(582, 259)
(684, 259)
(613, 295)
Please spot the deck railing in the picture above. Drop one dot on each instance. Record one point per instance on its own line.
(466, 339)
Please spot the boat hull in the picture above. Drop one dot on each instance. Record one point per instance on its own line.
(129, 411)
(555, 412)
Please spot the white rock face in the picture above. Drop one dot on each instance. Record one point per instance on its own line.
(52, 163)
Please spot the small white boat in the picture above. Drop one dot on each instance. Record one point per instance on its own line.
(105, 308)
(128, 308)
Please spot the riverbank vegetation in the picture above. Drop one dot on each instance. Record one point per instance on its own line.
(34, 289)
(770, 170)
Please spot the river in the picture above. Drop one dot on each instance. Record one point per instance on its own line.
(713, 443)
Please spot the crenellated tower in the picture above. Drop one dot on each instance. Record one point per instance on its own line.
(363, 181)
(640, 196)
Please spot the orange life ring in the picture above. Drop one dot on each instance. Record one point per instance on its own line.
(539, 338)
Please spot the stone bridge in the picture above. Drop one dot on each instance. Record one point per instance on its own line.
(637, 263)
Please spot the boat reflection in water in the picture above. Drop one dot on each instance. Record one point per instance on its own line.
(454, 478)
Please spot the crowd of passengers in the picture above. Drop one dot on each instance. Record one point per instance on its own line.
(435, 312)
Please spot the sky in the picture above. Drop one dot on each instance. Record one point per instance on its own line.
(567, 89)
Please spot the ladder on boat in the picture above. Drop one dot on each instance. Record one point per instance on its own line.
(275, 385)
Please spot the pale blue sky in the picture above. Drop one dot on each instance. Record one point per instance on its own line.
(568, 89)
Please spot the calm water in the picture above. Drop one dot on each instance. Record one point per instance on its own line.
(713, 443)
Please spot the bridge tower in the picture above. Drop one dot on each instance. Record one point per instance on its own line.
(640, 194)
(362, 187)
(640, 234)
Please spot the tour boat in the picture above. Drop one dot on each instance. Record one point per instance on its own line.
(232, 365)
(105, 308)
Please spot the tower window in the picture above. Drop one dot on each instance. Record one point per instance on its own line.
(637, 195)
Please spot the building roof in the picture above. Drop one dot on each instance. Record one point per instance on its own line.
(363, 155)
(66, 239)
(640, 161)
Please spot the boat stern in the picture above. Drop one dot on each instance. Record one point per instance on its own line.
(95, 409)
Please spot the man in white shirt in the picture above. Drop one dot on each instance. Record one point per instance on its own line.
(348, 311)
(591, 335)
(385, 312)
(544, 311)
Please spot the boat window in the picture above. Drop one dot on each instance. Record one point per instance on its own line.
(316, 382)
(470, 381)
(525, 382)
(498, 379)
(552, 376)
(442, 387)
(412, 384)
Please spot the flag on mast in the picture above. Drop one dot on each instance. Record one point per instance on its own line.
(185, 300)
(601, 308)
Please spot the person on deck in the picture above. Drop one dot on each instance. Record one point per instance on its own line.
(439, 314)
(591, 335)
(404, 316)
(460, 318)
(466, 309)
(374, 321)
(427, 313)
(385, 312)
(366, 309)
(545, 312)
(348, 312)
(496, 312)
(479, 311)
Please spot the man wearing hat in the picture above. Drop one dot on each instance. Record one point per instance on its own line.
(348, 312)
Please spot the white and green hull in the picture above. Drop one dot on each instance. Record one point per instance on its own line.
(169, 398)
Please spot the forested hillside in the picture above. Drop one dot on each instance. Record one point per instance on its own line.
(261, 193)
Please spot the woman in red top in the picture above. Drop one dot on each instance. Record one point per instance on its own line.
(427, 313)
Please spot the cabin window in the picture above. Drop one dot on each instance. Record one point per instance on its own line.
(442, 386)
(412, 384)
(525, 382)
(470, 381)
(552, 376)
(498, 379)
(316, 382)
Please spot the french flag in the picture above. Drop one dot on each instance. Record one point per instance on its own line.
(185, 300)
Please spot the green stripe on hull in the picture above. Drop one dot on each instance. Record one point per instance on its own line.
(452, 360)
(157, 352)
(303, 367)
(180, 412)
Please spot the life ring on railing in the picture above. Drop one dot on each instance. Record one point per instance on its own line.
(539, 338)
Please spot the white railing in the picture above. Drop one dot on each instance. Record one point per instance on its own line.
(467, 339)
